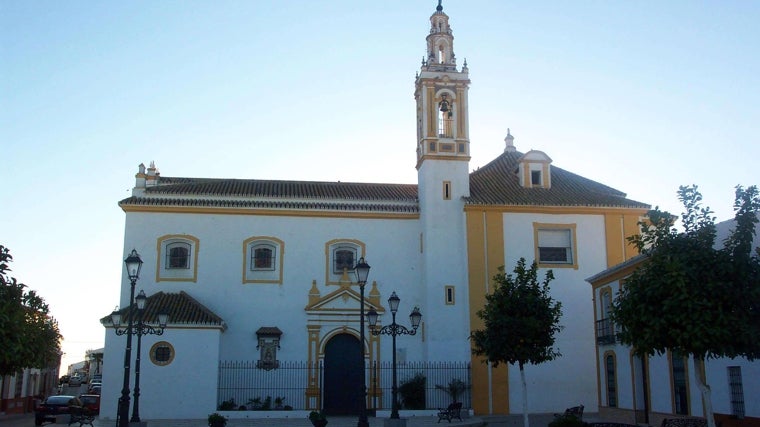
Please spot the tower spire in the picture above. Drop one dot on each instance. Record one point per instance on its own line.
(439, 8)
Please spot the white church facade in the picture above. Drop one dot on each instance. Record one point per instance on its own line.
(262, 270)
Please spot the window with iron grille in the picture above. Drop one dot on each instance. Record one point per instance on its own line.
(611, 381)
(344, 258)
(736, 390)
(262, 257)
(178, 255)
(680, 392)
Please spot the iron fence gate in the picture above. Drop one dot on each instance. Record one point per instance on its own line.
(244, 385)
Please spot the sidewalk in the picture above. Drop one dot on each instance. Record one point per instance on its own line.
(303, 422)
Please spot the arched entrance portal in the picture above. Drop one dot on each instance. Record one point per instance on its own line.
(343, 376)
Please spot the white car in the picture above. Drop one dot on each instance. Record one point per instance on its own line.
(75, 381)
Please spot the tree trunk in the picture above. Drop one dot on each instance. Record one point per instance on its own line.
(526, 423)
(699, 369)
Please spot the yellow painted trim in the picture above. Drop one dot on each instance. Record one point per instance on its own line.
(553, 209)
(485, 254)
(432, 128)
(618, 276)
(328, 256)
(194, 242)
(152, 353)
(573, 244)
(618, 226)
(267, 212)
(246, 257)
(461, 113)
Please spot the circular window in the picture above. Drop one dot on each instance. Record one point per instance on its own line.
(162, 353)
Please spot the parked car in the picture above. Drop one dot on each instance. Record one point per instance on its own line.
(75, 380)
(94, 390)
(54, 407)
(91, 402)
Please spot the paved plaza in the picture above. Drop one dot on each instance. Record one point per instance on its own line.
(538, 420)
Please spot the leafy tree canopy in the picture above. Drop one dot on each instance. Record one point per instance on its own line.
(690, 296)
(29, 335)
(521, 319)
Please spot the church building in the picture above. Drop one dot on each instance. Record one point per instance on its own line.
(263, 270)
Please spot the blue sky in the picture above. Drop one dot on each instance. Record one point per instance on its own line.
(643, 96)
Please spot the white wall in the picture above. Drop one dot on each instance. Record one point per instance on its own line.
(186, 388)
(571, 379)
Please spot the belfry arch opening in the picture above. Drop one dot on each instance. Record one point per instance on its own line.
(446, 117)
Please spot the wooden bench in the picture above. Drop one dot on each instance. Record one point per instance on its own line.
(80, 415)
(575, 411)
(454, 410)
(606, 424)
(684, 422)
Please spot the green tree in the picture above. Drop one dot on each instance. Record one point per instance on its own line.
(29, 335)
(521, 321)
(689, 296)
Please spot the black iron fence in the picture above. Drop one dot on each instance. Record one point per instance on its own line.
(243, 384)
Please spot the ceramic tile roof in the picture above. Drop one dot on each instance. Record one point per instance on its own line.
(497, 184)
(181, 307)
(493, 184)
(268, 194)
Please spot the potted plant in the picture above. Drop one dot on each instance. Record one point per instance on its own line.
(318, 418)
(454, 389)
(217, 420)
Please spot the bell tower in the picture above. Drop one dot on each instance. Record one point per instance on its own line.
(443, 156)
(441, 96)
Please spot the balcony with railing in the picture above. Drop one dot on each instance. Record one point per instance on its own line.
(605, 332)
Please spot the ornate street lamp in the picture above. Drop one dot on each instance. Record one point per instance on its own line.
(362, 272)
(133, 264)
(140, 330)
(394, 330)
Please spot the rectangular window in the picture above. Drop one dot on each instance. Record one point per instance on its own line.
(343, 259)
(446, 190)
(535, 177)
(431, 147)
(449, 295)
(555, 246)
(736, 390)
(678, 376)
(263, 258)
(178, 256)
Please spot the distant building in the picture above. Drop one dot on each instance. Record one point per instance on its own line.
(18, 393)
(262, 270)
(645, 390)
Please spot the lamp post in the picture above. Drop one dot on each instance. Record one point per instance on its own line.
(143, 329)
(134, 264)
(139, 329)
(394, 330)
(362, 272)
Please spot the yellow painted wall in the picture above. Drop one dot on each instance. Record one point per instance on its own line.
(485, 248)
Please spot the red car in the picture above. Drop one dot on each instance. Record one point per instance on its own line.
(54, 407)
(91, 402)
